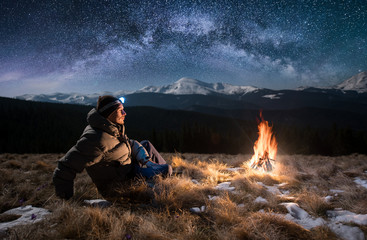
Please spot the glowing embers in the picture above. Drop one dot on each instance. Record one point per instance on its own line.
(265, 147)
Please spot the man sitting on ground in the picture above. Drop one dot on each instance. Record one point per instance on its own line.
(108, 155)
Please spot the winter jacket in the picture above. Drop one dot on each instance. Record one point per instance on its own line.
(104, 151)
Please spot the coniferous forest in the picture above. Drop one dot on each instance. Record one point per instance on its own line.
(37, 127)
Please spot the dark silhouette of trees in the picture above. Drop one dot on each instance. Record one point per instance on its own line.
(35, 127)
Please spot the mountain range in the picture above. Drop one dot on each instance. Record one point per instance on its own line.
(195, 95)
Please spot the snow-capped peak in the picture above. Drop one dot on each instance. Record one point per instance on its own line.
(188, 81)
(186, 86)
(74, 98)
(357, 83)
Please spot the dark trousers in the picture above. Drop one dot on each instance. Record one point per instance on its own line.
(153, 153)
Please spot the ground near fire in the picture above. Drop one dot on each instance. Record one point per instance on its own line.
(259, 196)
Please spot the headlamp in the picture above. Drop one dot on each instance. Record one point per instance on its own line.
(122, 99)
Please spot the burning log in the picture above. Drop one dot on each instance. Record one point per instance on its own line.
(265, 148)
(263, 163)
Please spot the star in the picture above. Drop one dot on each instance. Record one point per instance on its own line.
(85, 46)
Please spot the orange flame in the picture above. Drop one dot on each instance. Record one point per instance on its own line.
(265, 147)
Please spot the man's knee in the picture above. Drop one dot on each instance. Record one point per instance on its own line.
(146, 144)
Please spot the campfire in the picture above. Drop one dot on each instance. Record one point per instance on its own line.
(265, 147)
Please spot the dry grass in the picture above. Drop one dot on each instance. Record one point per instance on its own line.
(163, 212)
(313, 203)
(269, 226)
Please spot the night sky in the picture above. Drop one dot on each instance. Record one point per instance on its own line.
(94, 46)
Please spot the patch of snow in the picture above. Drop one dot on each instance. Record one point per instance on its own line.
(328, 198)
(98, 203)
(295, 211)
(336, 191)
(195, 210)
(285, 192)
(28, 215)
(198, 210)
(336, 218)
(260, 200)
(361, 182)
(224, 186)
(195, 181)
(273, 96)
(236, 169)
(346, 232)
(272, 189)
(301, 217)
(347, 216)
(241, 205)
(212, 198)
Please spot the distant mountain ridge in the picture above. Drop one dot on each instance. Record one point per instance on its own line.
(356, 83)
(195, 95)
(187, 86)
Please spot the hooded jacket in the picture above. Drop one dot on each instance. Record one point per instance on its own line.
(104, 151)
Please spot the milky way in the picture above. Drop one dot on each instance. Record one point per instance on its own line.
(95, 46)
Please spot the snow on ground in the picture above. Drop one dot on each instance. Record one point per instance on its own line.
(340, 215)
(272, 189)
(336, 191)
(98, 203)
(337, 219)
(225, 186)
(260, 200)
(236, 169)
(28, 214)
(361, 182)
(198, 210)
(281, 193)
(346, 232)
(328, 198)
(195, 181)
(301, 217)
(212, 198)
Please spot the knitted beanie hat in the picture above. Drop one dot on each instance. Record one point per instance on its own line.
(107, 104)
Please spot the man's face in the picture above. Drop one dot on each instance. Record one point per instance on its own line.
(118, 116)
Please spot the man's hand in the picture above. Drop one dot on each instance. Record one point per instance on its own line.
(64, 189)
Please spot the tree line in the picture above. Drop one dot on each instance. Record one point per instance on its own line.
(36, 127)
